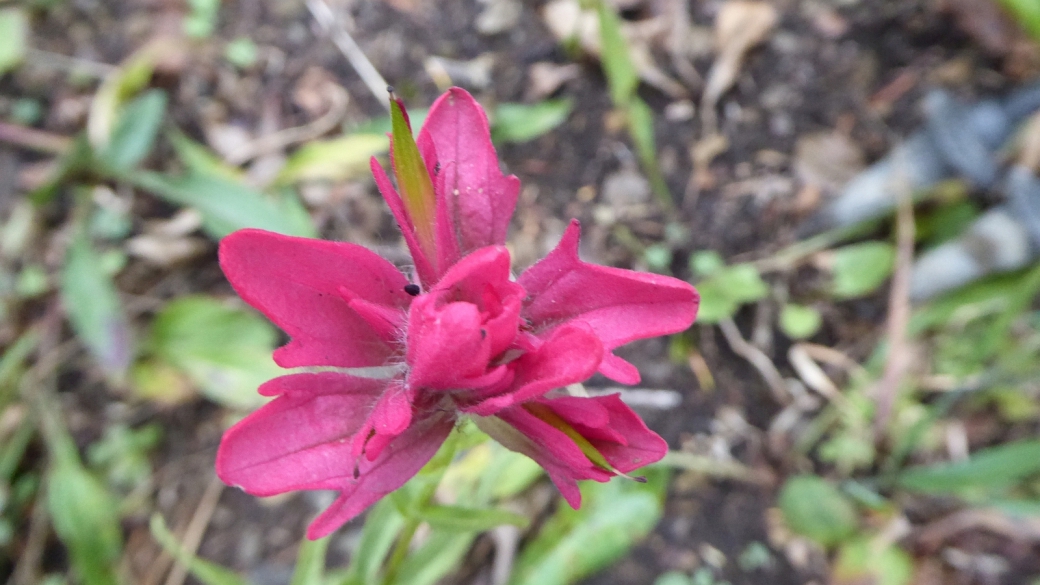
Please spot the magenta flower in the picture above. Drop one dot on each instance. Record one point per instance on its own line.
(464, 340)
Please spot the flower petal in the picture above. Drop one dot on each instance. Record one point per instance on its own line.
(300, 440)
(520, 431)
(613, 428)
(445, 344)
(463, 322)
(620, 305)
(479, 198)
(605, 423)
(296, 283)
(397, 463)
(482, 278)
(571, 354)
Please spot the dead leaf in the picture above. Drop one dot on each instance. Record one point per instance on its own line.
(569, 22)
(827, 160)
(497, 16)
(316, 92)
(739, 26)
(474, 74)
(702, 153)
(544, 78)
(166, 242)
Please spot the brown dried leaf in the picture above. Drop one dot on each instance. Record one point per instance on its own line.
(739, 26)
(827, 160)
(567, 20)
(544, 78)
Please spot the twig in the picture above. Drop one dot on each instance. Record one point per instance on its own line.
(812, 374)
(653, 398)
(196, 528)
(288, 136)
(756, 358)
(28, 569)
(506, 539)
(791, 256)
(34, 139)
(934, 534)
(69, 64)
(350, 49)
(898, 316)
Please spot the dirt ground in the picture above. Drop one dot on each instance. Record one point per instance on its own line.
(858, 67)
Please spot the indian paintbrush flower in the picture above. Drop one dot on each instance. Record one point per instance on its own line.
(463, 339)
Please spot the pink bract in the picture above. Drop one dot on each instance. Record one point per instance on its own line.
(472, 341)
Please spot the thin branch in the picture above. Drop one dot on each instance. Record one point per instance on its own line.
(68, 64)
(34, 139)
(350, 49)
(887, 389)
(756, 358)
(278, 140)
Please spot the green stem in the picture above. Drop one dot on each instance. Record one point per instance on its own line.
(404, 542)
(438, 465)
(790, 256)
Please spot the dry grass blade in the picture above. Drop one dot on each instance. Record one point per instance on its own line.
(739, 26)
(278, 140)
(196, 528)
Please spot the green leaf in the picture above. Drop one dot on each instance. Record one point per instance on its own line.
(413, 179)
(227, 205)
(134, 134)
(333, 160)
(727, 289)
(814, 508)
(621, 73)
(241, 52)
(14, 38)
(864, 561)
(200, 160)
(522, 122)
(310, 562)
(464, 519)
(437, 557)
(86, 519)
(799, 321)
(742, 283)
(575, 543)
(202, 20)
(641, 128)
(225, 350)
(382, 525)
(207, 572)
(131, 77)
(988, 470)
(93, 307)
(1027, 13)
(945, 223)
(509, 473)
(706, 263)
(123, 454)
(860, 268)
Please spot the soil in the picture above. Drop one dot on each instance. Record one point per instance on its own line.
(827, 66)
